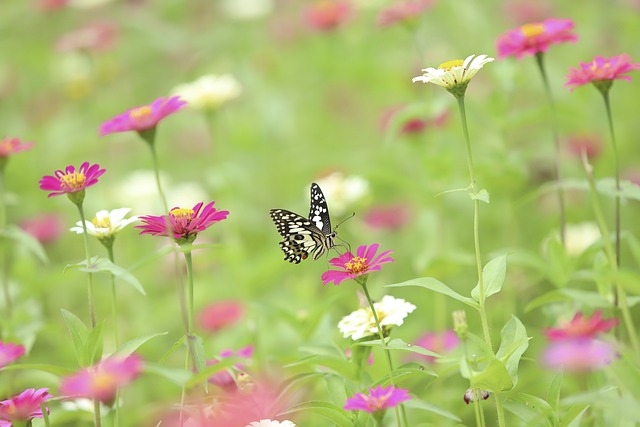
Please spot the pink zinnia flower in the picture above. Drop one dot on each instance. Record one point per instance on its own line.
(24, 407)
(403, 11)
(10, 352)
(71, 181)
(377, 399)
(102, 380)
(325, 15)
(142, 118)
(47, 227)
(391, 217)
(579, 354)
(223, 378)
(220, 314)
(352, 266)
(183, 223)
(438, 342)
(9, 146)
(581, 327)
(601, 71)
(534, 38)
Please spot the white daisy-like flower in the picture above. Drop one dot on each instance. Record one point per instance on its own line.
(454, 73)
(578, 237)
(342, 191)
(209, 92)
(391, 312)
(106, 224)
(270, 423)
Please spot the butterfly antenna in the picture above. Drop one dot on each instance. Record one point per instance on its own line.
(344, 220)
(344, 243)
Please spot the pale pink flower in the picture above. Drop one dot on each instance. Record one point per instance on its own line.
(579, 354)
(388, 217)
(221, 314)
(9, 353)
(98, 36)
(47, 227)
(601, 71)
(326, 15)
(530, 39)
(590, 145)
(10, 146)
(438, 342)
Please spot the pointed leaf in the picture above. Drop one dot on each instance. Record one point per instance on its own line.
(417, 403)
(553, 397)
(177, 345)
(398, 344)
(494, 378)
(436, 286)
(328, 410)
(493, 275)
(27, 241)
(92, 351)
(79, 333)
(99, 264)
(513, 343)
(573, 416)
(204, 374)
(482, 195)
(132, 345)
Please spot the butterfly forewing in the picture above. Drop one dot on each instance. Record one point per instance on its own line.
(319, 212)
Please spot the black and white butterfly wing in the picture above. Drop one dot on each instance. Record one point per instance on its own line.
(300, 236)
(319, 212)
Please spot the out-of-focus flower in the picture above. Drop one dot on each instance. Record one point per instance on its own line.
(99, 36)
(579, 354)
(106, 224)
(353, 266)
(524, 11)
(51, 5)
(601, 72)
(349, 354)
(10, 146)
(143, 118)
(270, 423)
(326, 15)
(390, 217)
(472, 395)
(534, 38)
(438, 342)
(581, 326)
(21, 409)
(377, 399)
(209, 92)
(76, 72)
(454, 75)
(578, 237)
(183, 223)
(224, 378)
(361, 323)
(342, 191)
(246, 9)
(404, 12)
(590, 145)
(47, 228)
(102, 380)
(221, 314)
(411, 123)
(9, 353)
(71, 181)
(87, 4)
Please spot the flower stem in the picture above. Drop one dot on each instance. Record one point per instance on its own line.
(5, 253)
(114, 312)
(85, 235)
(156, 171)
(556, 144)
(189, 266)
(96, 413)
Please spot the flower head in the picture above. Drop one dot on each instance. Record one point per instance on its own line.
(326, 15)
(209, 92)
(361, 323)
(581, 327)
(72, 181)
(579, 354)
(102, 380)
(184, 224)
(438, 342)
(601, 72)
(106, 224)
(536, 37)
(352, 266)
(403, 12)
(9, 353)
(377, 399)
(220, 314)
(46, 227)
(143, 118)
(10, 146)
(24, 407)
(579, 237)
(454, 75)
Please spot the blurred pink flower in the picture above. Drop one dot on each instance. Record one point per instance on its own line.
(591, 145)
(601, 71)
(20, 409)
(410, 123)
(390, 217)
(438, 342)
(184, 223)
(10, 146)
(102, 380)
(377, 399)
(9, 353)
(50, 5)
(326, 15)
(524, 11)
(534, 38)
(579, 354)
(220, 315)
(352, 266)
(71, 181)
(47, 227)
(402, 12)
(98, 36)
(581, 327)
(142, 118)
(223, 378)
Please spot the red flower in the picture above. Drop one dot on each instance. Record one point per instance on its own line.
(581, 327)
(534, 38)
(220, 314)
(142, 118)
(325, 15)
(377, 399)
(402, 11)
(9, 353)
(24, 407)
(9, 146)
(601, 70)
(352, 266)
(71, 181)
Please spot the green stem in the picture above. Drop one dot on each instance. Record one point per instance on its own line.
(3, 247)
(85, 235)
(156, 171)
(189, 264)
(499, 409)
(96, 413)
(114, 311)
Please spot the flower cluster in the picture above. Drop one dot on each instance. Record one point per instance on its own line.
(327, 15)
(224, 378)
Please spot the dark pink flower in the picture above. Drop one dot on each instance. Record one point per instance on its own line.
(9, 353)
(352, 266)
(391, 217)
(47, 227)
(326, 15)
(142, 118)
(184, 224)
(223, 378)
(10, 146)
(587, 144)
(102, 380)
(403, 11)
(377, 399)
(70, 180)
(407, 122)
(601, 70)
(438, 342)
(220, 314)
(24, 407)
(95, 36)
(534, 38)
(579, 354)
(581, 327)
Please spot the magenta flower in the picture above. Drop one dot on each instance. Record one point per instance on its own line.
(601, 71)
(143, 118)
(184, 224)
(403, 11)
(581, 327)
(388, 217)
(352, 266)
(20, 409)
(102, 380)
(579, 354)
(378, 398)
(9, 146)
(46, 227)
(534, 38)
(326, 15)
(9, 353)
(220, 314)
(71, 181)
(223, 378)
(438, 342)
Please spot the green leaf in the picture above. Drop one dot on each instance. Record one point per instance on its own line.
(51, 369)
(26, 240)
(132, 345)
(494, 378)
(79, 333)
(573, 417)
(177, 345)
(174, 375)
(513, 343)
(482, 195)
(328, 410)
(99, 264)
(553, 397)
(436, 286)
(416, 403)
(398, 344)
(204, 374)
(493, 275)
(198, 347)
(585, 298)
(92, 351)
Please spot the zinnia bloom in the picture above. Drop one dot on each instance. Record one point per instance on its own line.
(102, 380)
(220, 315)
(10, 352)
(438, 342)
(352, 266)
(24, 407)
(579, 354)
(361, 323)
(10, 146)
(534, 38)
(142, 118)
(46, 227)
(454, 75)
(404, 12)
(601, 71)
(71, 181)
(209, 92)
(270, 423)
(377, 399)
(325, 15)
(581, 327)
(106, 223)
(183, 223)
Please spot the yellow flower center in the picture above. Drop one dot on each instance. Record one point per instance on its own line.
(357, 265)
(140, 113)
(532, 30)
(379, 401)
(182, 213)
(103, 381)
(450, 64)
(102, 223)
(73, 180)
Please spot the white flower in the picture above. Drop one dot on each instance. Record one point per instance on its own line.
(246, 9)
(578, 237)
(210, 91)
(269, 423)
(391, 311)
(87, 4)
(342, 191)
(106, 224)
(454, 73)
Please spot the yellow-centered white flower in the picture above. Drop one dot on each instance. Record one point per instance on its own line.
(361, 323)
(454, 73)
(209, 92)
(106, 224)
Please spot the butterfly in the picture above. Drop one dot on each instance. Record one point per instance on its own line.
(302, 237)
